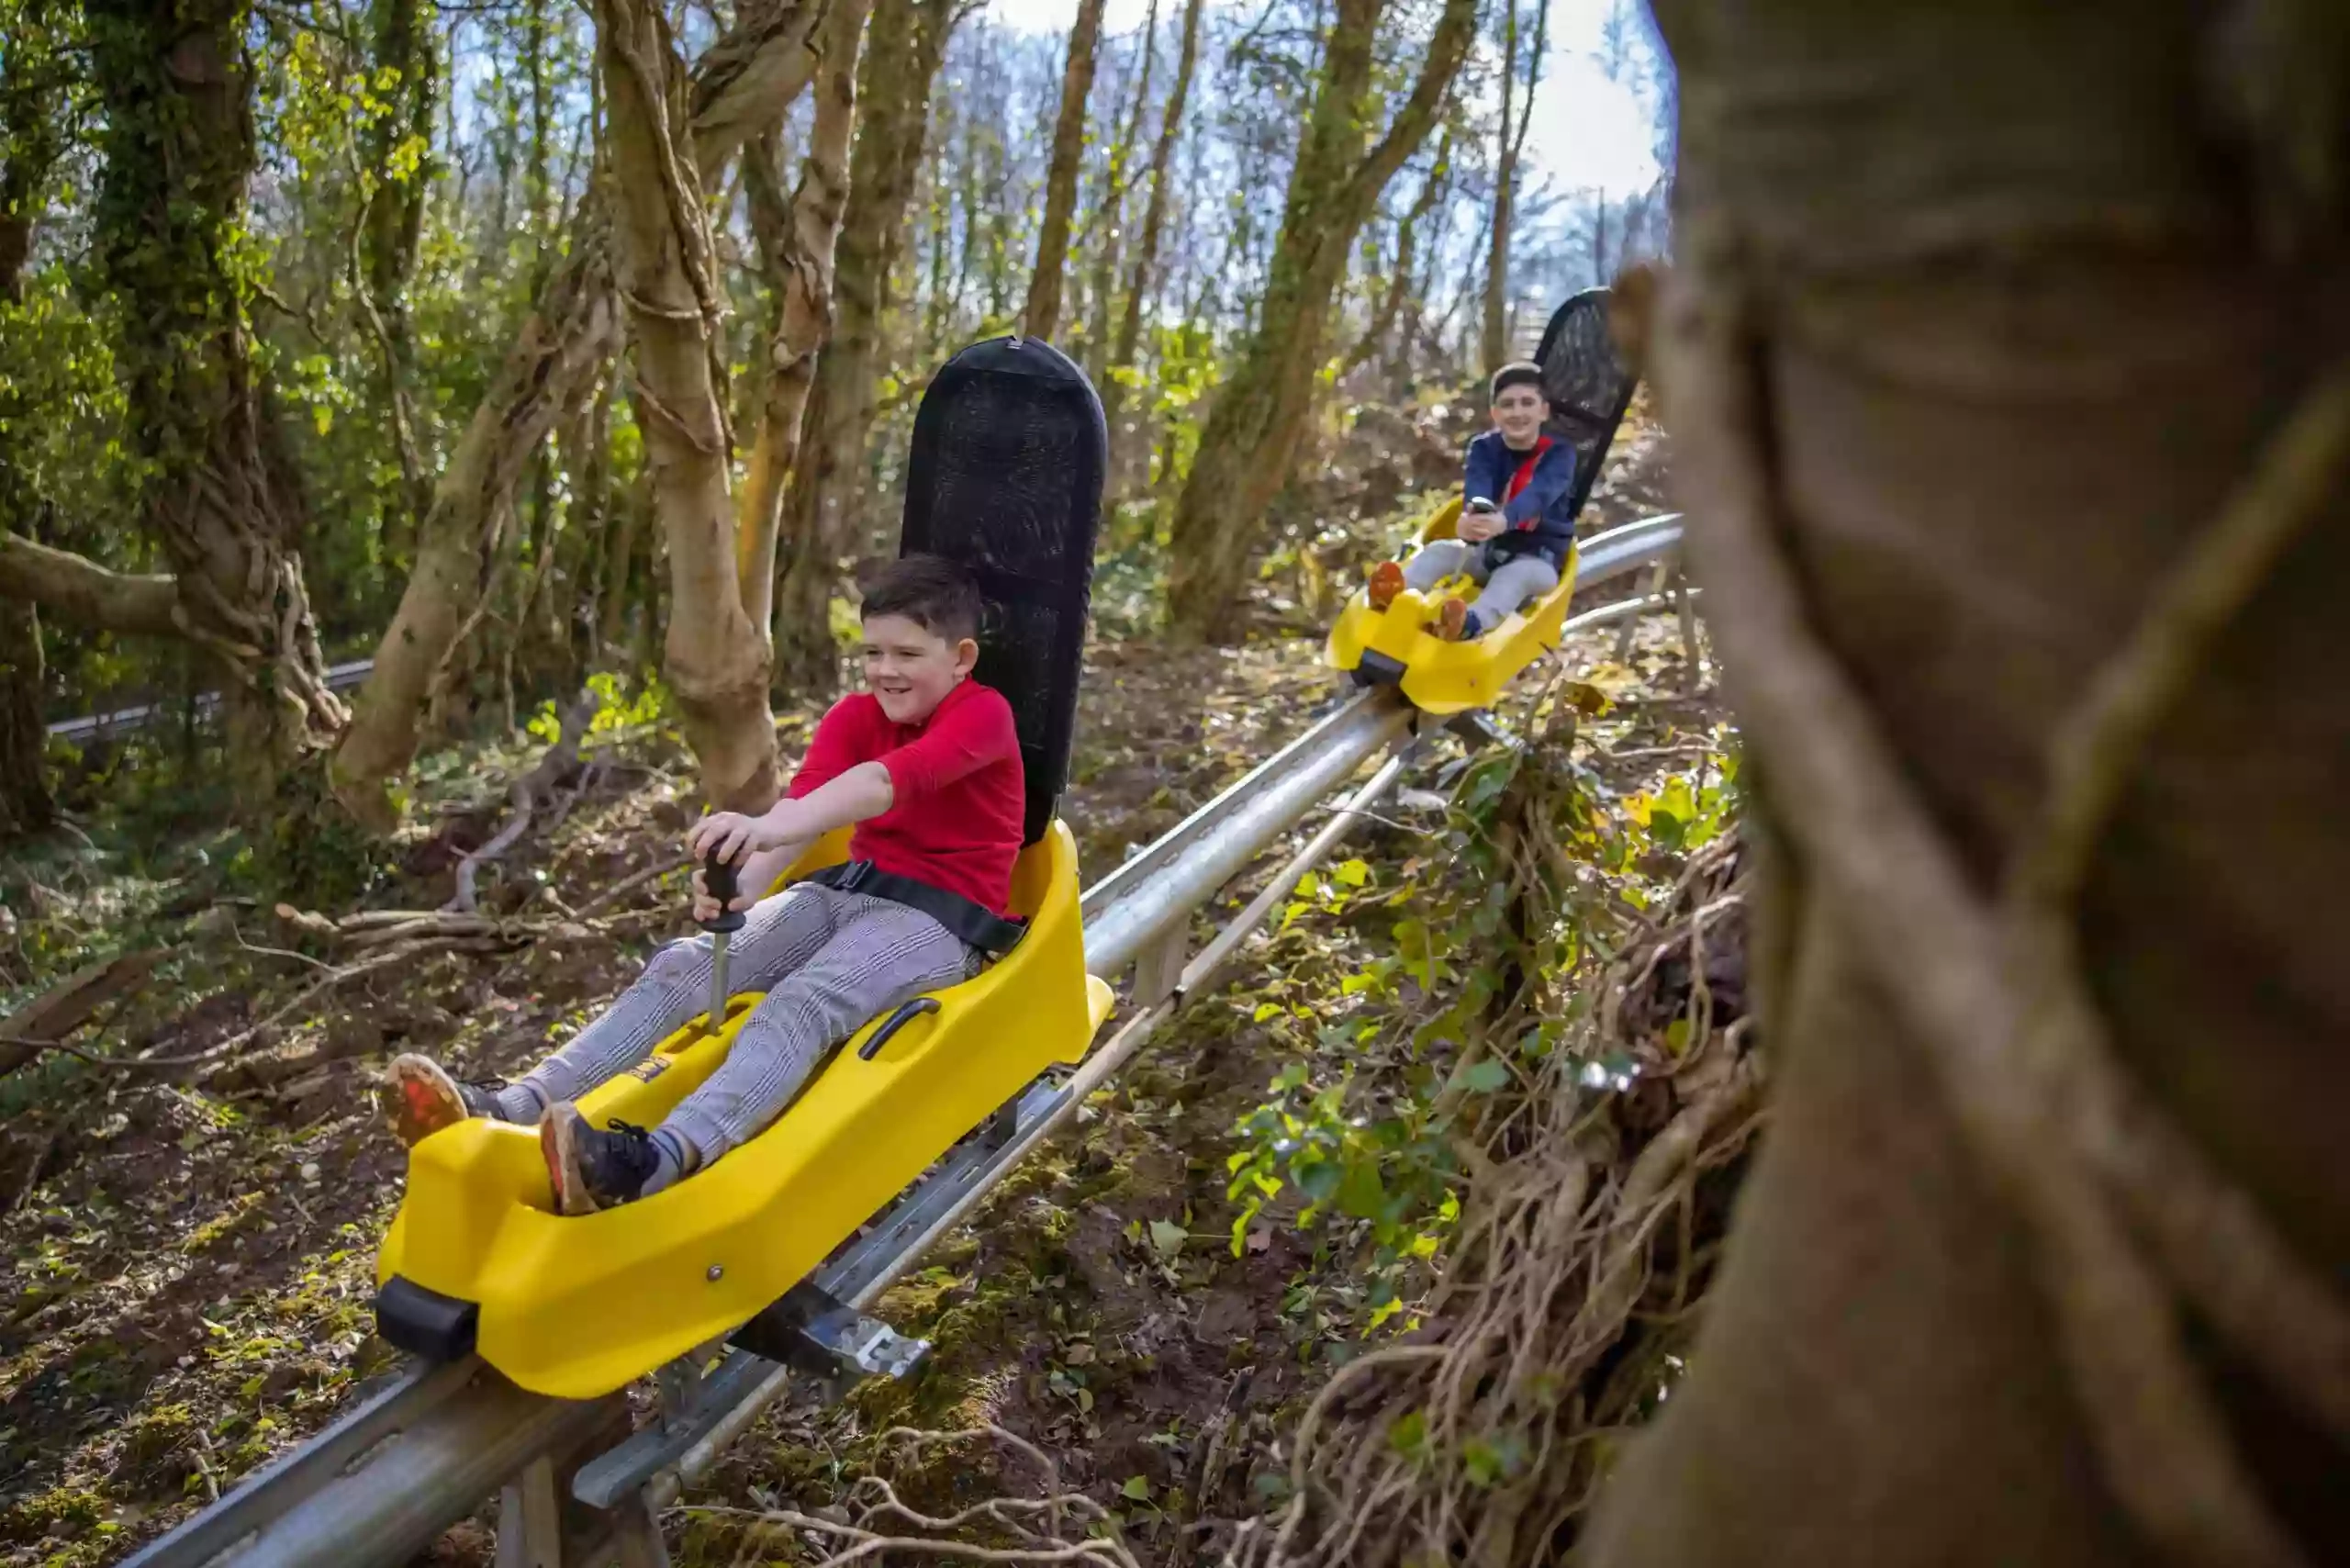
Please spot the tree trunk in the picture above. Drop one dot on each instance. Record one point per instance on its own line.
(715, 656)
(1041, 317)
(408, 62)
(26, 804)
(1380, 335)
(1143, 280)
(1509, 152)
(584, 443)
(796, 241)
(562, 346)
(1954, 411)
(1103, 288)
(29, 150)
(1252, 433)
(1493, 340)
(747, 77)
(179, 150)
(907, 39)
(745, 82)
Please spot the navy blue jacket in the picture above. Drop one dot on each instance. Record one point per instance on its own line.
(1538, 517)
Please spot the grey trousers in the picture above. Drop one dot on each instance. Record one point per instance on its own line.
(1507, 586)
(828, 961)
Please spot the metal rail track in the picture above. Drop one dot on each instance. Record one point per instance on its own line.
(381, 1482)
(123, 720)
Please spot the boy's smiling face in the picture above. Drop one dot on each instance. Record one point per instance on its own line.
(911, 668)
(1519, 414)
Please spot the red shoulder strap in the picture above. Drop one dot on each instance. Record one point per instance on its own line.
(1525, 475)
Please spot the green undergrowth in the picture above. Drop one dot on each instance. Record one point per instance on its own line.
(1390, 1065)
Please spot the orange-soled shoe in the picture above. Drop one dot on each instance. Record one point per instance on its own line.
(420, 1098)
(1452, 620)
(1386, 582)
(590, 1169)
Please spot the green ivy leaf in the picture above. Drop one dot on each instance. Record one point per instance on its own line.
(1486, 1076)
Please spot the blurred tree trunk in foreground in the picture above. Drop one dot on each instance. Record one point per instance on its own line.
(2006, 366)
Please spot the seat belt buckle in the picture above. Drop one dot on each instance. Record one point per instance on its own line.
(854, 875)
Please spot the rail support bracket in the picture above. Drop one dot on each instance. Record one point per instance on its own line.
(819, 1333)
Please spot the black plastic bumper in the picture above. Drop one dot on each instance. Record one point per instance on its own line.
(426, 1323)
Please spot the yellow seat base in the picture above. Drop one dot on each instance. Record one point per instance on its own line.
(1443, 677)
(579, 1308)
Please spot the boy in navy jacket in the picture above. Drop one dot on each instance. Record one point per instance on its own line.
(1516, 522)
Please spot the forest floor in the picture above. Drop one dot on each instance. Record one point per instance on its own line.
(185, 1257)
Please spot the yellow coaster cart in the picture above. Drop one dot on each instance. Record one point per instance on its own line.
(1006, 470)
(1589, 387)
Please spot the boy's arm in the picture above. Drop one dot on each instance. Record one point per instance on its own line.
(1553, 477)
(1477, 476)
(955, 745)
(978, 731)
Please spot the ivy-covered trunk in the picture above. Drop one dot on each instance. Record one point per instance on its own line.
(1261, 411)
(28, 148)
(893, 116)
(400, 166)
(2005, 362)
(178, 143)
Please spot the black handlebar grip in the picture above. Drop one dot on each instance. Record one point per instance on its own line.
(717, 878)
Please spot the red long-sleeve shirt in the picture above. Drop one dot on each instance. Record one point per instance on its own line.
(958, 794)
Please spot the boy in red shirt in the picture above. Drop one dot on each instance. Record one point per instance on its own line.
(926, 764)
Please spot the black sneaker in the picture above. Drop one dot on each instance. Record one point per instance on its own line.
(593, 1169)
(420, 1097)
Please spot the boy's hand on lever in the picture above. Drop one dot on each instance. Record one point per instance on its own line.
(706, 907)
(1478, 523)
(732, 836)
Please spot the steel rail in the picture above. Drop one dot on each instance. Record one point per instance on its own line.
(1230, 831)
(122, 721)
(382, 1481)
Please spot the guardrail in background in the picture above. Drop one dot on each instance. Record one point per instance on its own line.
(122, 721)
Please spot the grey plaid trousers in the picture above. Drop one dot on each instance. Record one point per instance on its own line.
(828, 961)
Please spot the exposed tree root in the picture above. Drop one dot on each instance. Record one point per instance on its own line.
(1057, 1527)
(1589, 1229)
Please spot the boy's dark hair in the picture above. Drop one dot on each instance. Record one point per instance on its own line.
(937, 593)
(1517, 373)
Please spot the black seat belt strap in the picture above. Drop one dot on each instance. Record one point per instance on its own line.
(975, 924)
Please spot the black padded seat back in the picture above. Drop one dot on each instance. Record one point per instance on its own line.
(1009, 455)
(1587, 382)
